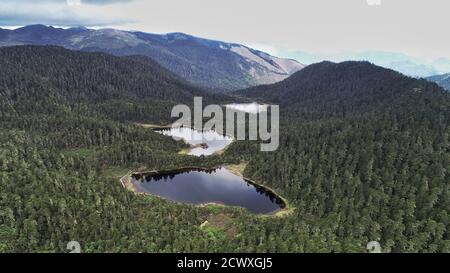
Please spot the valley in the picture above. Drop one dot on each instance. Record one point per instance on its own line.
(363, 156)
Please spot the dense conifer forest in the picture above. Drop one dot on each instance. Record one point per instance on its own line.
(364, 155)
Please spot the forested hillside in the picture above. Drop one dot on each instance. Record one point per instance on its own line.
(330, 88)
(364, 155)
(68, 133)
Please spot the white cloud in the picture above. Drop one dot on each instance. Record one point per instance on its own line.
(63, 13)
(73, 2)
(373, 2)
(414, 27)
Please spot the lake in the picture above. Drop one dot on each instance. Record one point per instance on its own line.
(219, 186)
(252, 108)
(214, 141)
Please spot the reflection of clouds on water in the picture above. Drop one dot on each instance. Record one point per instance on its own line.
(252, 108)
(232, 181)
(213, 140)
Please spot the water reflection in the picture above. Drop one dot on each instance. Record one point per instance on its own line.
(196, 186)
(252, 108)
(214, 141)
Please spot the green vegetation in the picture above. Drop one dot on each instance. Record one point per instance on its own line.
(82, 152)
(215, 233)
(361, 158)
(215, 209)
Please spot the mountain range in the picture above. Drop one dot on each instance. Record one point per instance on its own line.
(207, 63)
(442, 80)
(408, 65)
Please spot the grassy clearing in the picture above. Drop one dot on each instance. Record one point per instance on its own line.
(185, 151)
(215, 209)
(219, 226)
(152, 126)
(215, 233)
(115, 172)
(237, 169)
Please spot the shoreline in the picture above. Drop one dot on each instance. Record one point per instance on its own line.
(188, 150)
(236, 169)
(127, 183)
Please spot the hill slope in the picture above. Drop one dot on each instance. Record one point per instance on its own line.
(67, 135)
(207, 63)
(347, 86)
(364, 151)
(126, 88)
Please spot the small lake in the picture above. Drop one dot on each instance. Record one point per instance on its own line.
(252, 108)
(218, 186)
(214, 141)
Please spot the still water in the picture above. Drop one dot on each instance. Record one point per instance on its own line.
(214, 141)
(218, 186)
(252, 108)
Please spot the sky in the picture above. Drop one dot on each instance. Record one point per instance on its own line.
(415, 27)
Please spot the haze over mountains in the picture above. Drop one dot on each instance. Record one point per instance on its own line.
(207, 63)
(408, 65)
(345, 87)
(442, 80)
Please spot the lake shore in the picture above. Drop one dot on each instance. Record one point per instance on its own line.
(188, 150)
(127, 183)
(236, 169)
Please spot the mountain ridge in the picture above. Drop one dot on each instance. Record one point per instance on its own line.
(207, 63)
(347, 87)
(442, 80)
(401, 62)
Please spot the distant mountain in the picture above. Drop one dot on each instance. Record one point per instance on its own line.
(342, 87)
(207, 63)
(402, 63)
(442, 80)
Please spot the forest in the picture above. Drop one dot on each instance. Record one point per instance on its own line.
(364, 155)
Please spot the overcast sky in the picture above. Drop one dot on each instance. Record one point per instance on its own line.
(416, 27)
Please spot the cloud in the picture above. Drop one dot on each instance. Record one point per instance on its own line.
(342, 26)
(374, 2)
(62, 12)
(88, 2)
(104, 2)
